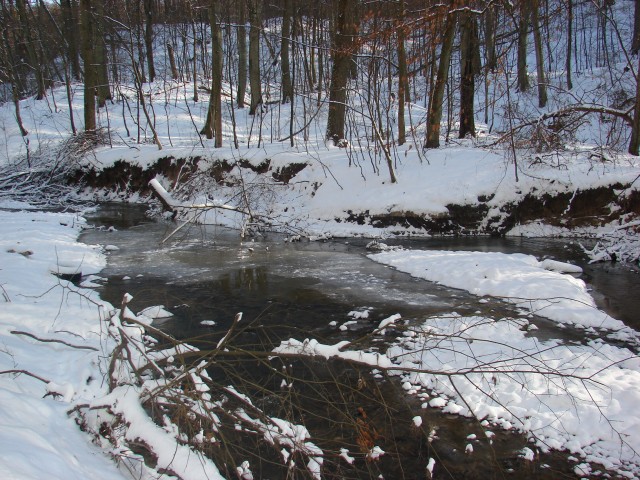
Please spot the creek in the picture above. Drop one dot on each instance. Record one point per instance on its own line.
(308, 290)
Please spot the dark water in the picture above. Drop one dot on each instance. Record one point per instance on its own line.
(306, 290)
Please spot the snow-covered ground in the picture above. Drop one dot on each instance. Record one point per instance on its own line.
(53, 343)
(52, 348)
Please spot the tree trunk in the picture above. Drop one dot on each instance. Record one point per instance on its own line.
(8, 74)
(35, 62)
(287, 87)
(403, 82)
(490, 37)
(71, 36)
(434, 116)
(242, 54)
(537, 38)
(213, 125)
(195, 60)
(172, 61)
(523, 28)
(148, 37)
(100, 55)
(469, 68)
(345, 28)
(635, 42)
(570, 41)
(86, 41)
(634, 144)
(255, 19)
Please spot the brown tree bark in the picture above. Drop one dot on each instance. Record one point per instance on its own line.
(213, 125)
(570, 42)
(287, 86)
(255, 80)
(434, 115)
(634, 143)
(35, 62)
(490, 37)
(86, 42)
(635, 42)
(537, 39)
(242, 54)
(345, 28)
(523, 30)
(148, 38)
(469, 68)
(71, 35)
(100, 55)
(403, 78)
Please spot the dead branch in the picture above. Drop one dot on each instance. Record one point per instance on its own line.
(53, 340)
(25, 372)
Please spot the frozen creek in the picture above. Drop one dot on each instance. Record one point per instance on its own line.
(307, 289)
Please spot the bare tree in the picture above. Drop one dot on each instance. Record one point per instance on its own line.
(87, 36)
(213, 125)
(469, 68)
(148, 37)
(434, 116)
(255, 79)
(344, 30)
(537, 39)
(523, 31)
(287, 85)
(242, 53)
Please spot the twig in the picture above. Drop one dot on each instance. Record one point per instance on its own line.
(53, 340)
(25, 372)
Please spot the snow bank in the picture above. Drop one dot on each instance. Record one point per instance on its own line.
(517, 278)
(37, 438)
(580, 398)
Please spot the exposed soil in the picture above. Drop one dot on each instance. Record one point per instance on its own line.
(582, 208)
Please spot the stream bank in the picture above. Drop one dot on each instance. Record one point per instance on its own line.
(556, 205)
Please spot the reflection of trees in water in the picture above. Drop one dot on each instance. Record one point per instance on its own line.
(253, 279)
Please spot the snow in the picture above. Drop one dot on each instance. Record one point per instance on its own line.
(582, 398)
(38, 439)
(517, 278)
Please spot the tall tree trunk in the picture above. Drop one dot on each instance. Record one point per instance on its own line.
(71, 36)
(35, 62)
(195, 60)
(345, 28)
(7, 71)
(523, 30)
(570, 42)
(172, 61)
(255, 80)
(242, 54)
(490, 37)
(537, 39)
(635, 42)
(434, 116)
(148, 37)
(634, 144)
(469, 68)
(101, 56)
(86, 41)
(287, 86)
(213, 125)
(403, 81)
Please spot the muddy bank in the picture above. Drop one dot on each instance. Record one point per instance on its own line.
(572, 209)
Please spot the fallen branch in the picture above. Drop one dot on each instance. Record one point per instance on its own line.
(53, 340)
(25, 372)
